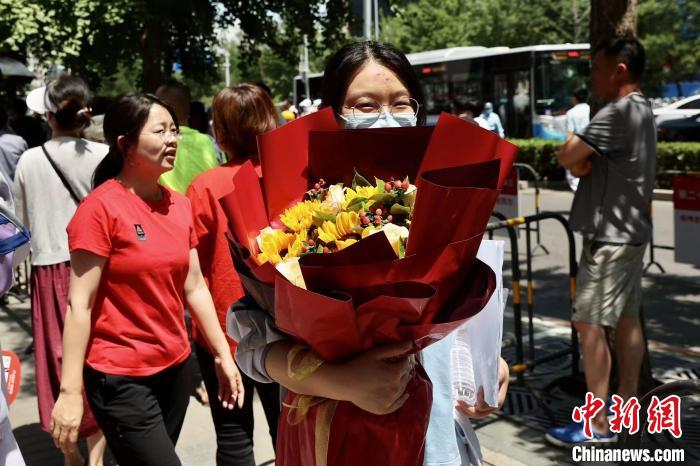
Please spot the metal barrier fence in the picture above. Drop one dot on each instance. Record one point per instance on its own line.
(522, 365)
(536, 182)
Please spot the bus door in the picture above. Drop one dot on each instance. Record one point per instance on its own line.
(511, 100)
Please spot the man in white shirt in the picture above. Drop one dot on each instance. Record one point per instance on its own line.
(577, 119)
(492, 119)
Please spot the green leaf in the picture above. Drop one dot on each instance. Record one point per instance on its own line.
(356, 203)
(359, 180)
(380, 185)
(398, 209)
(320, 217)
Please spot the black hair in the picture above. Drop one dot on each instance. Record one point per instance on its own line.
(627, 50)
(344, 64)
(71, 96)
(126, 116)
(581, 95)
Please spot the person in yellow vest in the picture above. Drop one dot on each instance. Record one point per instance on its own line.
(195, 151)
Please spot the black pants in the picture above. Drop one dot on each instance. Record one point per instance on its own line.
(234, 428)
(141, 417)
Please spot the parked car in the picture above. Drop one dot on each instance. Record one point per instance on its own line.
(680, 129)
(681, 109)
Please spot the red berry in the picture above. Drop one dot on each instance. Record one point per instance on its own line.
(326, 250)
(377, 219)
(378, 212)
(312, 243)
(365, 220)
(397, 184)
(317, 186)
(405, 185)
(303, 249)
(321, 182)
(362, 214)
(390, 218)
(387, 186)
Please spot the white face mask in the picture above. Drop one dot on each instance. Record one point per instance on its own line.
(385, 120)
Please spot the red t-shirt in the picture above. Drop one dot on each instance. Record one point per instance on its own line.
(138, 326)
(210, 226)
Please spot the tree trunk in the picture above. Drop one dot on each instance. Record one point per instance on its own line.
(151, 52)
(611, 18)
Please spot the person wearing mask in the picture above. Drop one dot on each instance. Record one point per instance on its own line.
(11, 147)
(615, 156)
(369, 85)
(240, 112)
(195, 151)
(492, 119)
(577, 118)
(134, 267)
(50, 181)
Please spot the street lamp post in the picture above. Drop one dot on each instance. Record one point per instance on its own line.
(368, 19)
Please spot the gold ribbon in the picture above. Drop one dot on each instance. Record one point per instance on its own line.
(301, 363)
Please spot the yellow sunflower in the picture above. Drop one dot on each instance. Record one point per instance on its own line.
(300, 216)
(359, 191)
(272, 243)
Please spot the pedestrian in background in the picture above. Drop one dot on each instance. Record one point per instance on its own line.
(11, 147)
(615, 156)
(133, 269)
(492, 119)
(49, 183)
(195, 150)
(577, 118)
(240, 112)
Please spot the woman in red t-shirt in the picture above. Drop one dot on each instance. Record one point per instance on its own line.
(134, 267)
(240, 113)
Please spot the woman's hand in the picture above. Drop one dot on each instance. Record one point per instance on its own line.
(376, 380)
(582, 168)
(231, 390)
(65, 420)
(481, 409)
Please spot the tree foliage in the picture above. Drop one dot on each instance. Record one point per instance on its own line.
(426, 25)
(99, 38)
(670, 32)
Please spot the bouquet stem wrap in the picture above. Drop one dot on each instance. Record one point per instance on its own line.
(363, 295)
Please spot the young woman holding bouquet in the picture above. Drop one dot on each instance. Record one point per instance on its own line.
(368, 85)
(134, 267)
(240, 113)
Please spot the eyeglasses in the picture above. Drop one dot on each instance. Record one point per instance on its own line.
(405, 106)
(164, 135)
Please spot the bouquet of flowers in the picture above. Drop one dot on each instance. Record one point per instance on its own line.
(353, 264)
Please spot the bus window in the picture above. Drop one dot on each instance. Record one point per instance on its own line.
(557, 76)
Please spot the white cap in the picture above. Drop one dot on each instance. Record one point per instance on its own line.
(317, 102)
(38, 101)
(305, 103)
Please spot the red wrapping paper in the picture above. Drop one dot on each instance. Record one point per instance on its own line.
(364, 296)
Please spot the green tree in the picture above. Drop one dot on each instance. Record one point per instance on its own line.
(425, 25)
(670, 32)
(97, 38)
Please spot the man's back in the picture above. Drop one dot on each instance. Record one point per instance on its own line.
(577, 118)
(195, 154)
(613, 202)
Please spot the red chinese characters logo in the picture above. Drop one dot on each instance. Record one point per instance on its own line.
(587, 412)
(624, 415)
(665, 415)
(661, 415)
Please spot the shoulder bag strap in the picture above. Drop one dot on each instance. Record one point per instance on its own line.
(61, 176)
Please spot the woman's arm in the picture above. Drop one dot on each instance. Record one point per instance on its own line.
(202, 307)
(86, 271)
(374, 381)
